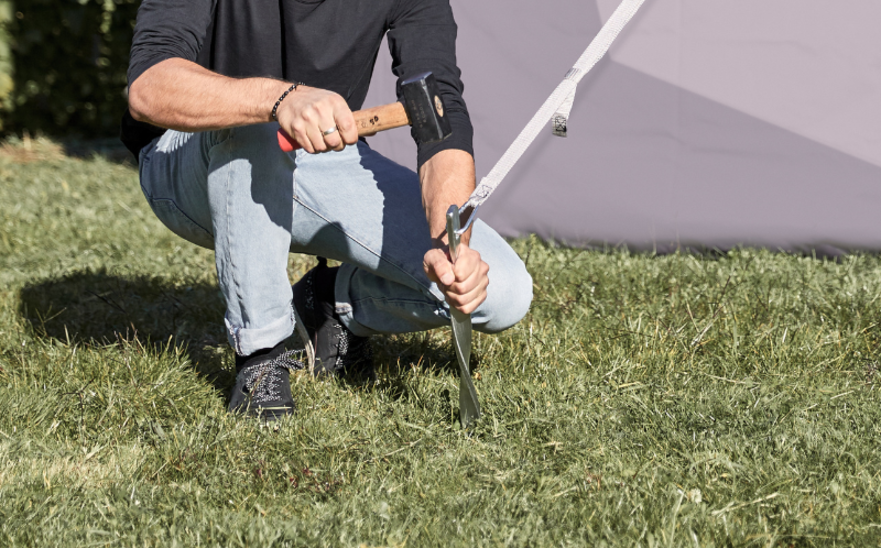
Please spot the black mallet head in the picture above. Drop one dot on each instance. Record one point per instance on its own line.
(425, 108)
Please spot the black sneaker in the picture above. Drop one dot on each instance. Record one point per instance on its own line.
(336, 350)
(263, 386)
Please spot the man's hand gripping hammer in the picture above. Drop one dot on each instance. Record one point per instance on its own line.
(421, 108)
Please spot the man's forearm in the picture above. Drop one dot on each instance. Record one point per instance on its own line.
(179, 94)
(447, 179)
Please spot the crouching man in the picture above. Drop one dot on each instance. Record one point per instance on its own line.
(211, 81)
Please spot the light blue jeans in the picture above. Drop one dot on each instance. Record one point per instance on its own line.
(235, 192)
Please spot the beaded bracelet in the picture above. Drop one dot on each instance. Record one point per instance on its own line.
(280, 99)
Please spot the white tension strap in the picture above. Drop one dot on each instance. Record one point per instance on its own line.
(557, 108)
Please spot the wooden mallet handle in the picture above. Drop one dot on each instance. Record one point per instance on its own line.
(368, 121)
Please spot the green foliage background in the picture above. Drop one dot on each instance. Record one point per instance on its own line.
(63, 65)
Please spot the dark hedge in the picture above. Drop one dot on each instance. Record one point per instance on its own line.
(69, 59)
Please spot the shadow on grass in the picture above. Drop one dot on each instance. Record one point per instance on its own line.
(97, 308)
(403, 359)
(400, 355)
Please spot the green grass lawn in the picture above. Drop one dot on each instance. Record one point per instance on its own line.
(679, 400)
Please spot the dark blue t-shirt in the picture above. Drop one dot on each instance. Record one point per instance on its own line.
(329, 44)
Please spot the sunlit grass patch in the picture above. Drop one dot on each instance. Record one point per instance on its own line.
(726, 399)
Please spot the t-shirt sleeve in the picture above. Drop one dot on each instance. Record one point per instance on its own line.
(422, 37)
(168, 29)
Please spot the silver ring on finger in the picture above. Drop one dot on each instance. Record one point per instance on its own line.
(334, 129)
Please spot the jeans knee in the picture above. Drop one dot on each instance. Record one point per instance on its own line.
(509, 296)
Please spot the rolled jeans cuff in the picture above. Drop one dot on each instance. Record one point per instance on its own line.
(246, 341)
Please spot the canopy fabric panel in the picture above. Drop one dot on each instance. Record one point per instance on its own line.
(711, 124)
